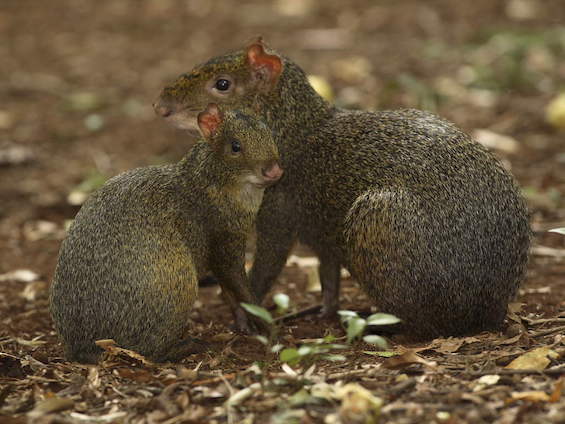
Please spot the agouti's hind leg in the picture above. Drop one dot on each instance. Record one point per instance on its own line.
(330, 279)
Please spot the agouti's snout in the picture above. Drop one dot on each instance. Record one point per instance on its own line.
(272, 172)
(163, 108)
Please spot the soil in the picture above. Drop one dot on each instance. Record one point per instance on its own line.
(78, 81)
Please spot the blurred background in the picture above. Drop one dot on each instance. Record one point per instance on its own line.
(77, 79)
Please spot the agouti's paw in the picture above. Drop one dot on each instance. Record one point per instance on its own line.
(329, 311)
(248, 324)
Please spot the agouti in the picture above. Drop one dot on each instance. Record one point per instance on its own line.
(128, 269)
(427, 220)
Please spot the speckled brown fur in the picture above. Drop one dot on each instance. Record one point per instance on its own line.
(428, 222)
(129, 267)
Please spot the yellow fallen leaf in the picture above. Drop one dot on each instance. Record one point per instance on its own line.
(358, 405)
(533, 396)
(536, 359)
(555, 112)
(322, 87)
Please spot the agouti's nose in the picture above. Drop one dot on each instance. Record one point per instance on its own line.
(272, 172)
(162, 108)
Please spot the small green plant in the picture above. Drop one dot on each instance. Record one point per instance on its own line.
(355, 326)
(306, 353)
(282, 302)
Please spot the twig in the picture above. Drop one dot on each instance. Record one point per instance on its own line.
(547, 331)
(219, 379)
(548, 251)
(353, 373)
(559, 370)
(543, 320)
(401, 387)
(298, 314)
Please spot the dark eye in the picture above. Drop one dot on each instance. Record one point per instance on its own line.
(223, 84)
(235, 146)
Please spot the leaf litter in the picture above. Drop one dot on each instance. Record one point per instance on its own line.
(450, 380)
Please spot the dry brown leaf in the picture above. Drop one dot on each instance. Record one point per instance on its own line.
(33, 290)
(43, 230)
(449, 345)
(557, 391)
(495, 141)
(30, 343)
(358, 405)
(139, 375)
(532, 396)
(184, 373)
(107, 418)
(53, 404)
(509, 341)
(20, 275)
(14, 154)
(222, 337)
(536, 359)
(407, 358)
(110, 346)
(314, 285)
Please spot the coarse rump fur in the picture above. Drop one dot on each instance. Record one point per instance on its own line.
(427, 220)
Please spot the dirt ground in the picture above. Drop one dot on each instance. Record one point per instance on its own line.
(77, 79)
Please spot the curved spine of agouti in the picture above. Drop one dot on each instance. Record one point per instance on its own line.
(128, 269)
(430, 224)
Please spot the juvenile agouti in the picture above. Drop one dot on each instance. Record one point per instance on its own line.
(427, 220)
(128, 269)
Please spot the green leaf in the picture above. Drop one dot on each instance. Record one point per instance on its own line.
(347, 314)
(334, 357)
(262, 339)
(382, 319)
(258, 311)
(289, 354)
(355, 327)
(334, 346)
(558, 230)
(329, 338)
(376, 340)
(282, 301)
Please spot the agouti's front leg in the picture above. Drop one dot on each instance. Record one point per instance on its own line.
(276, 234)
(228, 266)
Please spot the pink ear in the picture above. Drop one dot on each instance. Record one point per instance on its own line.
(209, 120)
(266, 66)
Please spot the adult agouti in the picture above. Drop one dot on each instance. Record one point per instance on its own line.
(128, 269)
(427, 220)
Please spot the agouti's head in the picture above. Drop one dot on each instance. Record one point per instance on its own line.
(243, 143)
(232, 80)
